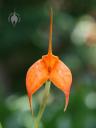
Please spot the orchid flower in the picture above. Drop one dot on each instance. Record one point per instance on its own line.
(49, 67)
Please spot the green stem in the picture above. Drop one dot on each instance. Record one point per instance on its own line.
(43, 105)
(0, 125)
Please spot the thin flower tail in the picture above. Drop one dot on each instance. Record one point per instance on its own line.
(66, 101)
(50, 32)
(31, 105)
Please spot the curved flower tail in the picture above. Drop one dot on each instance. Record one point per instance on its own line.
(31, 106)
(66, 101)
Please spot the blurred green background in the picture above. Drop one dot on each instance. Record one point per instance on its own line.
(74, 41)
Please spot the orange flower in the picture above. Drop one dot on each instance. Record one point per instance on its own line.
(49, 67)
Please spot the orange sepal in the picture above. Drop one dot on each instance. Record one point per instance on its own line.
(62, 78)
(36, 76)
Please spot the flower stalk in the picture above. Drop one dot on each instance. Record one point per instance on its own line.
(43, 104)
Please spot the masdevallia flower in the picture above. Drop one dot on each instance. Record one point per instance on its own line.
(49, 67)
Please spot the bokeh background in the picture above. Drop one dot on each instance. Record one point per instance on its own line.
(74, 41)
